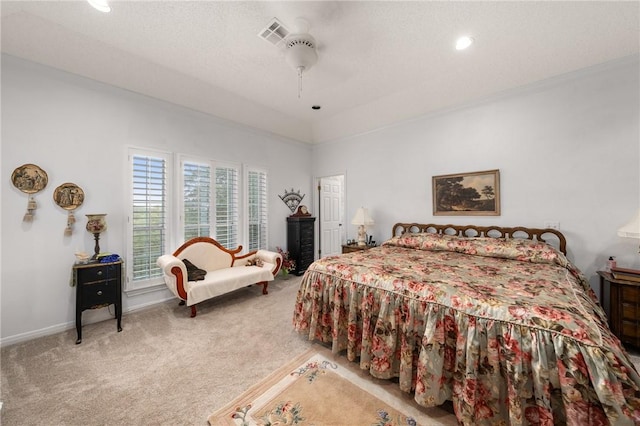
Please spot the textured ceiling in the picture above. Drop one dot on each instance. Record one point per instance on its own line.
(379, 62)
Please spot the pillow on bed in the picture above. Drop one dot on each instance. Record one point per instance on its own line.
(513, 248)
(193, 272)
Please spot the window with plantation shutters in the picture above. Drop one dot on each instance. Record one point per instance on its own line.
(226, 206)
(196, 200)
(210, 202)
(149, 216)
(175, 197)
(256, 209)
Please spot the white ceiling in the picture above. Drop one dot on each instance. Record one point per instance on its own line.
(379, 62)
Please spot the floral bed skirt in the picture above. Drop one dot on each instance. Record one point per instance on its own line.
(495, 371)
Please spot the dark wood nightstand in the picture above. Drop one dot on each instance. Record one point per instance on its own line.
(97, 285)
(624, 308)
(350, 248)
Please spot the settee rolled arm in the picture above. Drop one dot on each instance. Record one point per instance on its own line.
(268, 257)
(175, 274)
(271, 257)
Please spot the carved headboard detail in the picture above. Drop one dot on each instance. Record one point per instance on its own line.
(549, 236)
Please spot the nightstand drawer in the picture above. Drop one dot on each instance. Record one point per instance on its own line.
(102, 293)
(630, 332)
(350, 248)
(630, 312)
(630, 295)
(97, 273)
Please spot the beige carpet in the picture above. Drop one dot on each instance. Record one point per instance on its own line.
(164, 368)
(317, 388)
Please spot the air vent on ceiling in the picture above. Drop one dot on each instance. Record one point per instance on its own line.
(274, 32)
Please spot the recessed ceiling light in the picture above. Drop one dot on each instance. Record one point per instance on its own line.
(463, 42)
(316, 107)
(100, 5)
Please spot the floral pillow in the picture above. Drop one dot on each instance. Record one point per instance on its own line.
(513, 248)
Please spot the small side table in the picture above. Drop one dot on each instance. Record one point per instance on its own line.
(624, 308)
(97, 285)
(350, 248)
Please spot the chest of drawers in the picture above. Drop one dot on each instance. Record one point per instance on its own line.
(97, 285)
(301, 242)
(624, 308)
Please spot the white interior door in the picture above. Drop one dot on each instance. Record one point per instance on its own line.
(332, 215)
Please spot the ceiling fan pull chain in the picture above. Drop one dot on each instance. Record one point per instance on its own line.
(300, 81)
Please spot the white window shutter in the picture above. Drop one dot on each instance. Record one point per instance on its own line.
(226, 206)
(196, 214)
(148, 222)
(257, 209)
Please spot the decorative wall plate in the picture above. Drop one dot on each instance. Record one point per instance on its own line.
(291, 199)
(69, 196)
(29, 178)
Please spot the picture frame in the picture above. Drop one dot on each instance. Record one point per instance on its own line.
(467, 194)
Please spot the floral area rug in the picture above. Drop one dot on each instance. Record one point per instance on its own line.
(314, 389)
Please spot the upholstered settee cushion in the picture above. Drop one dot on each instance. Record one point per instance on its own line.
(225, 280)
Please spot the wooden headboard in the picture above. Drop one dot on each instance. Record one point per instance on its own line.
(535, 234)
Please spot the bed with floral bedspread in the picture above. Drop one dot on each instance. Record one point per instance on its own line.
(507, 329)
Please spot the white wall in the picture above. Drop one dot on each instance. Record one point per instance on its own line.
(78, 131)
(567, 150)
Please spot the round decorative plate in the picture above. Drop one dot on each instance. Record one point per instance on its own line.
(29, 178)
(69, 196)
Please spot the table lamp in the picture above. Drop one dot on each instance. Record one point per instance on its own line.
(96, 224)
(631, 229)
(362, 219)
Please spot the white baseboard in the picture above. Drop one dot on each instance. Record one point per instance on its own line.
(60, 328)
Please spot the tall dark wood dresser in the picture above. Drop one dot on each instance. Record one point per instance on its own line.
(301, 241)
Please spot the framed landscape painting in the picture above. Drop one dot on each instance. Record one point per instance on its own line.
(467, 194)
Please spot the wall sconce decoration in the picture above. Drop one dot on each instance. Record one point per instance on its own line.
(29, 179)
(362, 219)
(291, 199)
(96, 224)
(69, 196)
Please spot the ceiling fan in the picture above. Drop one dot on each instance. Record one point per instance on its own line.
(300, 49)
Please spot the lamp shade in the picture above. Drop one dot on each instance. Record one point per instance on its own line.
(632, 228)
(362, 217)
